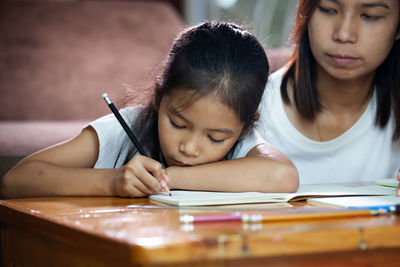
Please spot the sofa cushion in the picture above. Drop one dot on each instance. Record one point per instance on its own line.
(24, 138)
(58, 57)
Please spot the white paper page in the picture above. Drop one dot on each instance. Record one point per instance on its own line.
(333, 189)
(364, 201)
(200, 198)
(390, 182)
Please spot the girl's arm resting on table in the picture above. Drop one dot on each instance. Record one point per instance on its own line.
(61, 170)
(67, 170)
(37, 178)
(264, 169)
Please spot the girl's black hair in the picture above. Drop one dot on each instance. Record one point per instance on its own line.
(213, 58)
(301, 70)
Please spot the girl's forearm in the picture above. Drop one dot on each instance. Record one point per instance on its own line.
(239, 175)
(39, 178)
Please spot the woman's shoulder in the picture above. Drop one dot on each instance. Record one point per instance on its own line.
(275, 79)
(272, 89)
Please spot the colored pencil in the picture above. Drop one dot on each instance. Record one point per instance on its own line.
(288, 216)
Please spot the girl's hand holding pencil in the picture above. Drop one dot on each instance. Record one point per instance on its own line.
(140, 177)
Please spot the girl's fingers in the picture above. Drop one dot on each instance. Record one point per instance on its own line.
(398, 187)
(142, 187)
(148, 172)
(148, 181)
(164, 181)
(130, 182)
(164, 175)
(157, 172)
(147, 177)
(137, 193)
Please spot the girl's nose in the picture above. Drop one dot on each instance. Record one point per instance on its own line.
(190, 148)
(346, 30)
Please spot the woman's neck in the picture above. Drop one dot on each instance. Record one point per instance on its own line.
(343, 96)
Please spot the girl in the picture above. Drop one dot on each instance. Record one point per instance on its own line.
(335, 107)
(204, 107)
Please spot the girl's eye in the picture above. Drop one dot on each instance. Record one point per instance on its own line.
(327, 10)
(217, 141)
(176, 126)
(367, 17)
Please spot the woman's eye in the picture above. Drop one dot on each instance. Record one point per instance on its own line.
(327, 10)
(367, 17)
(217, 141)
(176, 125)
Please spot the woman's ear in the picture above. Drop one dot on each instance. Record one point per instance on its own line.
(251, 124)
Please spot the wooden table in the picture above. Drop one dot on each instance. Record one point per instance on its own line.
(103, 231)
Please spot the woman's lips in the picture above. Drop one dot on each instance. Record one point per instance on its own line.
(342, 60)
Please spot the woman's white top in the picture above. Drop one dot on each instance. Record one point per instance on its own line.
(364, 152)
(115, 144)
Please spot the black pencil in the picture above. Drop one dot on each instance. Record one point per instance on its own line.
(124, 125)
(126, 128)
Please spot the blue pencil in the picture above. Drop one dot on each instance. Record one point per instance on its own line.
(390, 208)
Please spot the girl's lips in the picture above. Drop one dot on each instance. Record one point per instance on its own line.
(179, 163)
(342, 61)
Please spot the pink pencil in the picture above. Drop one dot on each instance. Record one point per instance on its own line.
(210, 218)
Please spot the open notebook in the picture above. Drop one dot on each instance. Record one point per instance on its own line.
(354, 202)
(390, 182)
(202, 198)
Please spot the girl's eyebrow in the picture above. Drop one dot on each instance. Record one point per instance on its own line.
(219, 130)
(178, 114)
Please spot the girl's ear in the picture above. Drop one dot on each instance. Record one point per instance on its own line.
(155, 106)
(246, 131)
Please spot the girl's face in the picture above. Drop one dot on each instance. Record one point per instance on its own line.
(201, 133)
(351, 38)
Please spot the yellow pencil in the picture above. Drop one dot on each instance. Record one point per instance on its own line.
(282, 215)
(310, 215)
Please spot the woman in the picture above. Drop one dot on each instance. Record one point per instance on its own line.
(334, 109)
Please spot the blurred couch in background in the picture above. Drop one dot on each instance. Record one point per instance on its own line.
(58, 57)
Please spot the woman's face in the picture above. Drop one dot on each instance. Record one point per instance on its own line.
(351, 38)
(203, 132)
